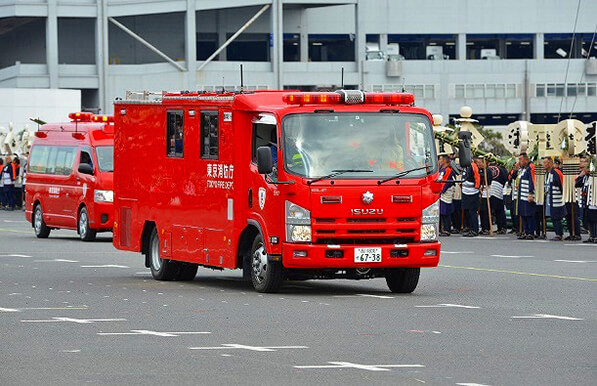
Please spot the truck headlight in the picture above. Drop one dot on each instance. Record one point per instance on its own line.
(430, 222)
(298, 223)
(103, 196)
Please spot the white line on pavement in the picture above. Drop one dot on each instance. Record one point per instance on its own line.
(376, 296)
(244, 347)
(575, 261)
(72, 320)
(156, 333)
(510, 256)
(545, 316)
(349, 365)
(8, 310)
(105, 266)
(449, 252)
(449, 306)
(56, 261)
(15, 255)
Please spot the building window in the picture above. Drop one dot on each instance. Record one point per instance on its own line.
(552, 118)
(585, 45)
(420, 91)
(519, 46)
(292, 48)
(425, 47)
(76, 40)
(560, 90)
(331, 48)
(250, 47)
(175, 133)
(207, 44)
(477, 91)
(482, 47)
(209, 135)
(557, 46)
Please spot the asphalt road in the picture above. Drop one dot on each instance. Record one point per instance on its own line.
(498, 311)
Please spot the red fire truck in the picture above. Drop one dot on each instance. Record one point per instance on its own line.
(283, 184)
(69, 176)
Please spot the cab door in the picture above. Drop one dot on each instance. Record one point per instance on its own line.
(84, 183)
(66, 206)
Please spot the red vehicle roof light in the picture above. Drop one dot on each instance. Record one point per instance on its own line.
(390, 98)
(80, 116)
(304, 98)
(79, 136)
(102, 118)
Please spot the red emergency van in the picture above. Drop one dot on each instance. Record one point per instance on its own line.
(69, 176)
(285, 185)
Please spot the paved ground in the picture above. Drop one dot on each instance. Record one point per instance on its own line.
(497, 311)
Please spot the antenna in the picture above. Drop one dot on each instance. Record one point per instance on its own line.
(242, 83)
(403, 84)
(223, 87)
(342, 80)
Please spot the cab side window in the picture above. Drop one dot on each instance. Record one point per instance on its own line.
(209, 135)
(265, 135)
(86, 158)
(175, 133)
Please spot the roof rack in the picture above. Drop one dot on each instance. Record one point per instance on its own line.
(145, 96)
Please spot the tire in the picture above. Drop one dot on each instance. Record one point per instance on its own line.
(161, 269)
(85, 233)
(404, 280)
(186, 271)
(265, 275)
(39, 225)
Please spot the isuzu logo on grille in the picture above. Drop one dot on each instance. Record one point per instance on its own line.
(367, 197)
(366, 212)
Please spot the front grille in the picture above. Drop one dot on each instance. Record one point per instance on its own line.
(325, 220)
(406, 219)
(367, 219)
(353, 231)
(365, 241)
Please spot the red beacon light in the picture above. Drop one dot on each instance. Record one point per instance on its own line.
(102, 118)
(80, 116)
(307, 98)
(398, 98)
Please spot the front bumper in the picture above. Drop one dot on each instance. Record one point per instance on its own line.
(101, 215)
(316, 256)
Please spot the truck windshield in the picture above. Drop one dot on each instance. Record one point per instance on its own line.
(105, 158)
(315, 144)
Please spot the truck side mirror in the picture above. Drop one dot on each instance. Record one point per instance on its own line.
(265, 162)
(464, 148)
(86, 169)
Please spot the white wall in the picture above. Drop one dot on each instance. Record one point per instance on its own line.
(50, 105)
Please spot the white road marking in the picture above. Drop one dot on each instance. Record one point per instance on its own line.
(449, 252)
(104, 266)
(578, 245)
(244, 347)
(510, 256)
(545, 316)
(349, 365)
(15, 255)
(575, 261)
(472, 384)
(376, 296)
(9, 310)
(155, 333)
(448, 306)
(70, 351)
(56, 261)
(72, 320)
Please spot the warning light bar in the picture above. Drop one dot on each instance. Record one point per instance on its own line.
(348, 97)
(80, 117)
(102, 118)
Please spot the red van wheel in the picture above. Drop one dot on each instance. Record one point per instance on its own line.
(39, 226)
(85, 233)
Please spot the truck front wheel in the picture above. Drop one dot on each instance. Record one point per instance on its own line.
(265, 275)
(403, 280)
(161, 269)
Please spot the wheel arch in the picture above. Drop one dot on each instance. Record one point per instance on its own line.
(148, 227)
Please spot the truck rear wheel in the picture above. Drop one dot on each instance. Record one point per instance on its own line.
(187, 272)
(265, 275)
(85, 233)
(39, 225)
(161, 269)
(403, 280)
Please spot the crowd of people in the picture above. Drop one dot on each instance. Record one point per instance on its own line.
(12, 182)
(476, 197)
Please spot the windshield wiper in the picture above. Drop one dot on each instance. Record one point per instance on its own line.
(338, 172)
(402, 174)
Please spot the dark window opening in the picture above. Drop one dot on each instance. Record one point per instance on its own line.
(425, 47)
(175, 133)
(331, 48)
(250, 47)
(76, 40)
(557, 46)
(207, 44)
(209, 135)
(483, 47)
(552, 118)
(292, 48)
(265, 135)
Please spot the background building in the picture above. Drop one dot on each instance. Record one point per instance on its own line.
(508, 60)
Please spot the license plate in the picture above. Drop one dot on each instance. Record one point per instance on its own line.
(367, 255)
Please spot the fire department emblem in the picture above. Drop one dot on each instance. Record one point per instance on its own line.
(261, 198)
(367, 197)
